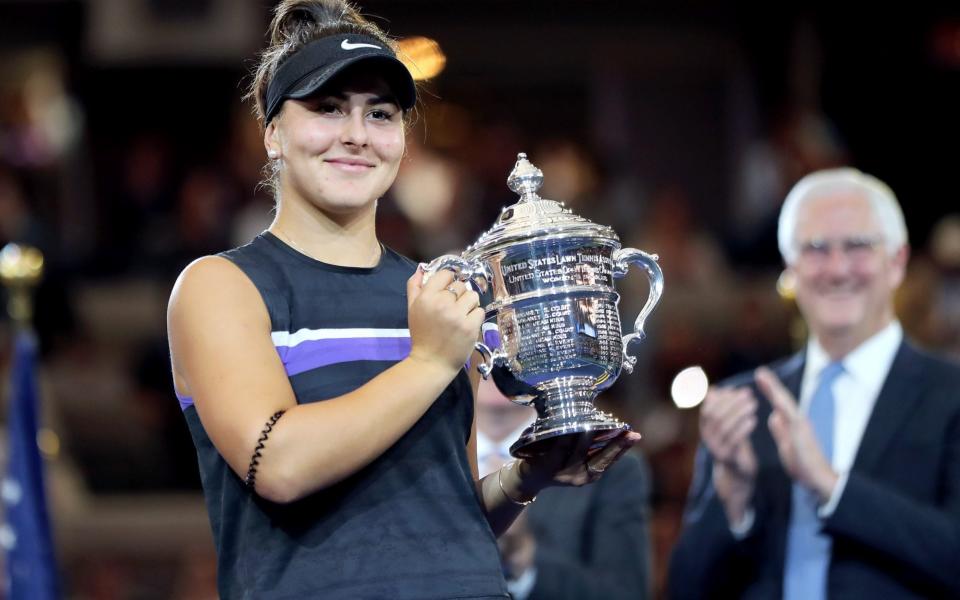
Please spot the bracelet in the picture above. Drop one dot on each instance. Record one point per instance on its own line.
(510, 465)
(250, 479)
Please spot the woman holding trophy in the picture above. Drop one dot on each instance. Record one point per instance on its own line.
(322, 379)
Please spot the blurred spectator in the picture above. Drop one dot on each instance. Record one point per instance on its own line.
(244, 157)
(945, 252)
(40, 122)
(41, 135)
(569, 174)
(930, 304)
(575, 543)
(433, 193)
(138, 219)
(694, 269)
(799, 140)
(18, 222)
(53, 313)
(203, 209)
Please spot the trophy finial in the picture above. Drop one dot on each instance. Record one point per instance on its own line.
(21, 268)
(525, 179)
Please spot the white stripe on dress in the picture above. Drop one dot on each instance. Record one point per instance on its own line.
(285, 338)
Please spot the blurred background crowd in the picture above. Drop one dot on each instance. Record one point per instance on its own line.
(126, 152)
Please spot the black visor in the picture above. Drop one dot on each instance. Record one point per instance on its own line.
(307, 70)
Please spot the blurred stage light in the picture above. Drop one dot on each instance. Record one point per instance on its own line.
(689, 387)
(422, 57)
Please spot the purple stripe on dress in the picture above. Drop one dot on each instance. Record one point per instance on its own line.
(185, 401)
(313, 354)
(491, 337)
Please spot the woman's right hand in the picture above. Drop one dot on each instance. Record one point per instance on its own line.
(573, 460)
(444, 317)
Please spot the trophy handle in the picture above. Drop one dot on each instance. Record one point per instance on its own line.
(496, 365)
(491, 358)
(622, 259)
(474, 271)
(478, 274)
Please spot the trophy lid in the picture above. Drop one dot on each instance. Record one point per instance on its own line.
(534, 217)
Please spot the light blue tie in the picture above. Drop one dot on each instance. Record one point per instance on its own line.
(808, 551)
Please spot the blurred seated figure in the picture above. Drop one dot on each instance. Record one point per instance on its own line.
(572, 543)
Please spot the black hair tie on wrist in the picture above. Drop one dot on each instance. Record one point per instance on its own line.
(250, 479)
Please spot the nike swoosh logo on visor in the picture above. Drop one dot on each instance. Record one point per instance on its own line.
(348, 46)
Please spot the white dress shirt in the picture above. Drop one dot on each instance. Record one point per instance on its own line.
(492, 455)
(855, 392)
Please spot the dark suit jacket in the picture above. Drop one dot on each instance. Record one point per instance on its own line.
(896, 530)
(593, 541)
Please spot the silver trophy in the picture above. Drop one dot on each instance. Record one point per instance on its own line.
(552, 335)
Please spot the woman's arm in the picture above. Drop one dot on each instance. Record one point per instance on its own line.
(499, 510)
(224, 358)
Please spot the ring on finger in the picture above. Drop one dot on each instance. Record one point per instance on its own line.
(453, 291)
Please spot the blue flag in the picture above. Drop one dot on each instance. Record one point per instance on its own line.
(25, 535)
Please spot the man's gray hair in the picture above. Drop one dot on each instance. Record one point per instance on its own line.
(820, 183)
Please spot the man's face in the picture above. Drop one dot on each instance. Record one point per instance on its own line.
(845, 276)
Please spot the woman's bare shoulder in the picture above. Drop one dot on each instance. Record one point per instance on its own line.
(213, 292)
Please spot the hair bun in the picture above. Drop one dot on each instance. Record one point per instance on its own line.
(291, 17)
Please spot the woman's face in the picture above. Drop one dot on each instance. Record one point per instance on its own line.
(341, 148)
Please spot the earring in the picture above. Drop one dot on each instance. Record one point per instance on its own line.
(273, 154)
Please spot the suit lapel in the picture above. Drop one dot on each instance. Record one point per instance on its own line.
(897, 398)
(791, 373)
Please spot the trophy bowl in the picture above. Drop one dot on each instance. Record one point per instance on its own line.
(552, 336)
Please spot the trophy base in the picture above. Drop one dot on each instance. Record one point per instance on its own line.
(565, 410)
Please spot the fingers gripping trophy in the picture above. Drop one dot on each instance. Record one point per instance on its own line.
(552, 337)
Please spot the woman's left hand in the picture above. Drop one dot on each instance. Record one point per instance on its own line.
(574, 460)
